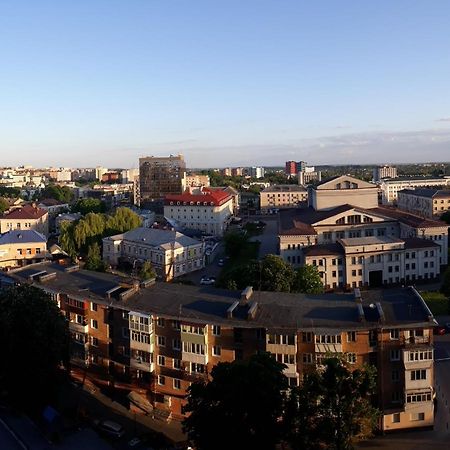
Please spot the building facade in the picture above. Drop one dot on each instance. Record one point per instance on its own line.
(382, 172)
(206, 210)
(391, 188)
(160, 176)
(282, 196)
(195, 180)
(292, 168)
(167, 336)
(20, 248)
(429, 203)
(27, 217)
(171, 253)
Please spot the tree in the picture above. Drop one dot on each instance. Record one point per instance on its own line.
(276, 275)
(61, 193)
(94, 258)
(34, 340)
(4, 205)
(124, 219)
(307, 280)
(446, 217)
(147, 271)
(240, 407)
(66, 238)
(332, 408)
(445, 287)
(89, 205)
(234, 242)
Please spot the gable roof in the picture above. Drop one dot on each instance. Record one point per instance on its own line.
(28, 212)
(408, 218)
(21, 237)
(331, 183)
(214, 197)
(428, 193)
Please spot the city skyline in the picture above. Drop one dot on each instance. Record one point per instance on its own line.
(226, 85)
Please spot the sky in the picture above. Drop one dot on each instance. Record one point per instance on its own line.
(225, 82)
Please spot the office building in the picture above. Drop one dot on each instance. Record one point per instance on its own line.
(381, 172)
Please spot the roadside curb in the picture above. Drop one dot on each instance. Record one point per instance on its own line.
(14, 434)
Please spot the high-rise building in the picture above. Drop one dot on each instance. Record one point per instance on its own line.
(293, 167)
(384, 172)
(160, 176)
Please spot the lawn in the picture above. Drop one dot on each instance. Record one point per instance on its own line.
(437, 302)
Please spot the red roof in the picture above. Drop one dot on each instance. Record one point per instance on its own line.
(209, 196)
(25, 212)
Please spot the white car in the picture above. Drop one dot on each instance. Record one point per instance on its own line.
(207, 281)
(109, 428)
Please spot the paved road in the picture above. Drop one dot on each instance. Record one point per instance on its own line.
(269, 237)
(7, 441)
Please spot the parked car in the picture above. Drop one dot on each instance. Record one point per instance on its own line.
(439, 330)
(109, 428)
(221, 262)
(207, 281)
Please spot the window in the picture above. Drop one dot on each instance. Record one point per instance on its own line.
(176, 324)
(395, 376)
(176, 384)
(396, 418)
(176, 344)
(191, 347)
(417, 416)
(216, 350)
(307, 358)
(93, 306)
(161, 341)
(161, 360)
(307, 337)
(197, 368)
(396, 397)
(161, 322)
(161, 380)
(394, 334)
(176, 363)
(420, 374)
(351, 358)
(94, 341)
(193, 329)
(351, 336)
(94, 324)
(395, 355)
(328, 339)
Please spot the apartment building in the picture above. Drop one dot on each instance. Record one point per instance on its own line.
(373, 261)
(22, 247)
(390, 188)
(156, 340)
(429, 203)
(292, 168)
(160, 176)
(195, 180)
(27, 217)
(171, 253)
(382, 172)
(282, 196)
(206, 210)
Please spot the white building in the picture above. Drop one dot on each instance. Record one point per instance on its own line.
(390, 188)
(171, 253)
(384, 172)
(204, 209)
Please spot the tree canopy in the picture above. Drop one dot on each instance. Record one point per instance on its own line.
(4, 205)
(240, 407)
(94, 259)
(61, 193)
(446, 217)
(307, 280)
(147, 271)
(332, 408)
(89, 205)
(34, 340)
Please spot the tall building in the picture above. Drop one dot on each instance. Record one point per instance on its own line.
(256, 172)
(160, 176)
(292, 168)
(382, 172)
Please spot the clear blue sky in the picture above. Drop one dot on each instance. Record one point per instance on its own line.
(225, 82)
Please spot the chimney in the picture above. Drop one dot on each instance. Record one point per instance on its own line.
(231, 309)
(246, 294)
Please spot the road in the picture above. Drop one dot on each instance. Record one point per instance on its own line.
(269, 237)
(7, 441)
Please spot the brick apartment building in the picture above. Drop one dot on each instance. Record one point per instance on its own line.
(154, 341)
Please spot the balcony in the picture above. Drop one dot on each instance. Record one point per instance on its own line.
(194, 338)
(414, 340)
(139, 364)
(328, 348)
(285, 349)
(144, 346)
(78, 327)
(419, 398)
(194, 358)
(291, 370)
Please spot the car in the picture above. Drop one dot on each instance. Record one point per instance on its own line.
(439, 330)
(207, 281)
(109, 428)
(221, 262)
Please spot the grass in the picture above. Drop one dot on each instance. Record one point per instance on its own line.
(437, 302)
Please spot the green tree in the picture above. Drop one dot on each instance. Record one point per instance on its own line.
(307, 280)
(446, 217)
(275, 274)
(234, 243)
(61, 193)
(9, 192)
(94, 258)
(445, 287)
(240, 407)
(332, 408)
(4, 205)
(124, 219)
(147, 271)
(66, 238)
(89, 205)
(34, 340)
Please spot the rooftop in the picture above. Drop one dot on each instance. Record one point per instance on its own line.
(155, 237)
(21, 237)
(27, 212)
(213, 197)
(284, 188)
(202, 304)
(370, 240)
(407, 218)
(428, 193)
